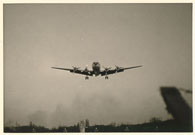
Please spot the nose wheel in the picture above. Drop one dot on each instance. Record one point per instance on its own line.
(106, 77)
(86, 78)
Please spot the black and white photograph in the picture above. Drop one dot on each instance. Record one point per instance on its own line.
(97, 67)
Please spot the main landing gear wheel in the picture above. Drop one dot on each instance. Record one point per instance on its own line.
(106, 77)
(86, 78)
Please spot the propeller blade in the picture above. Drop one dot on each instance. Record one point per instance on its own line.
(117, 67)
(75, 67)
(106, 68)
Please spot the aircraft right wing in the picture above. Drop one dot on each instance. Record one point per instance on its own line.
(76, 70)
(116, 70)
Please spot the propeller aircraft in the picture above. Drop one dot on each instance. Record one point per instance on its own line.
(96, 70)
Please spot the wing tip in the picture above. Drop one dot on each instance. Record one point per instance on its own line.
(54, 67)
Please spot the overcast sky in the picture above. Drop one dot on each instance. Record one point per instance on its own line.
(39, 36)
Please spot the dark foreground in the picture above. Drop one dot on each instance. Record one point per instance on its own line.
(175, 105)
(155, 126)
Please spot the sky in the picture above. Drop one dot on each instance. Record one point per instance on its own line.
(40, 36)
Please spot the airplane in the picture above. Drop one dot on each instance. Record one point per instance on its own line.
(96, 70)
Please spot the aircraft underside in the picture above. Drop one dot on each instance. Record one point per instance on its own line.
(96, 71)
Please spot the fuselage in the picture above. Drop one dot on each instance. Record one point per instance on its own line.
(96, 68)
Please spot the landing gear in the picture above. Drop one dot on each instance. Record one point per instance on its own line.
(86, 78)
(106, 77)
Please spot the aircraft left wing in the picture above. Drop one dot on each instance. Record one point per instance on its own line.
(76, 70)
(116, 70)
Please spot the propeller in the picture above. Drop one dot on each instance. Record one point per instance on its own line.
(86, 68)
(75, 68)
(118, 68)
(106, 68)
